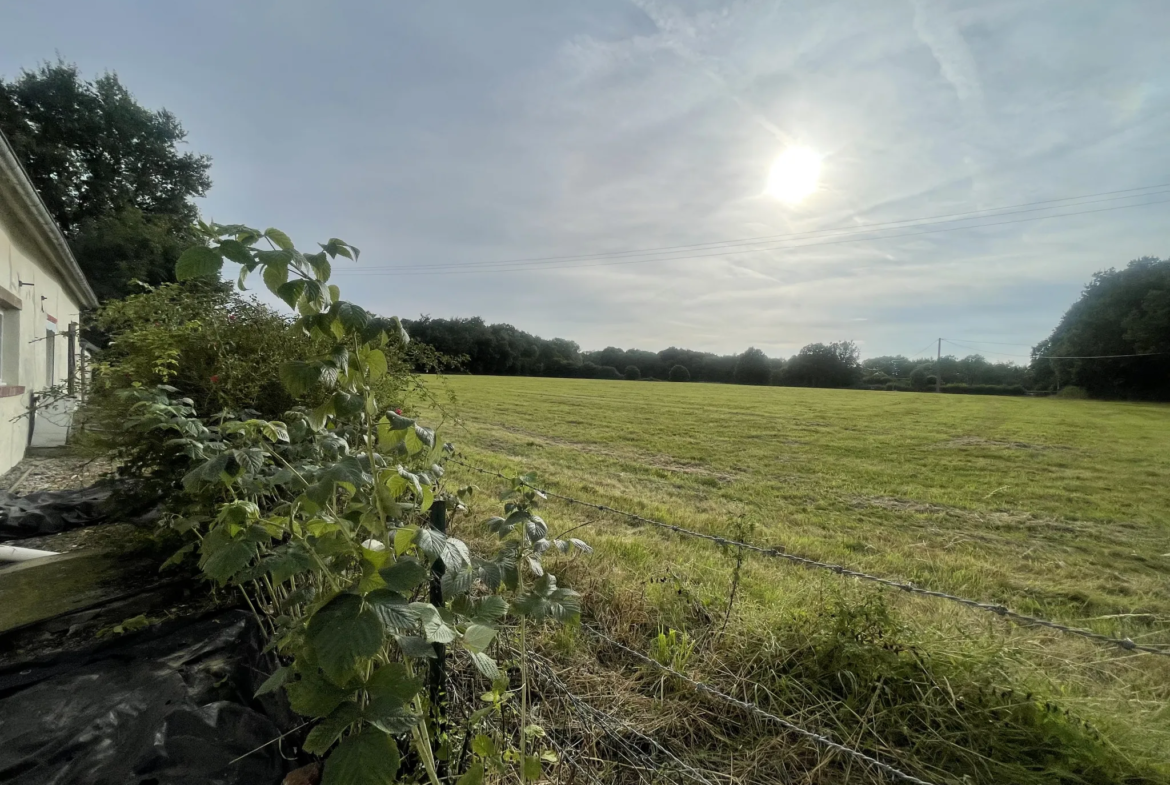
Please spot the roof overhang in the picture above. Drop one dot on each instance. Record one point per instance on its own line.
(16, 189)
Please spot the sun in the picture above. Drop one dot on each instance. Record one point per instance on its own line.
(794, 175)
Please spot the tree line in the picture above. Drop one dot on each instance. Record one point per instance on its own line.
(504, 350)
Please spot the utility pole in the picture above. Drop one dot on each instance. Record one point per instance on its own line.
(938, 369)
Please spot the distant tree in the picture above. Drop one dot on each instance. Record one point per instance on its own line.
(632, 373)
(104, 166)
(752, 367)
(824, 365)
(680, 374)
(923, 377)
(1120, 312)
(607, 372)
(127, 246)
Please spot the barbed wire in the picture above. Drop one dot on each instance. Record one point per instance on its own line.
(823, 741)
(776, 553)
(545, 672)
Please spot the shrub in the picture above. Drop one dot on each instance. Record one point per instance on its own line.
(285, 512)
(679, 373)
(1072, 392)
(222, 350)
(985, 389)
(922, 377)
(632, 373)
(607, 372)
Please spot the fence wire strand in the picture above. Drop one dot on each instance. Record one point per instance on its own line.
(615, 728)
(816, 738)
(776, 553)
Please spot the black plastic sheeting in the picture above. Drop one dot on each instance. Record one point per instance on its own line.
(50, 512)
(172, 707)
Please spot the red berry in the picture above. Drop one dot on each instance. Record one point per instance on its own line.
(215, 379)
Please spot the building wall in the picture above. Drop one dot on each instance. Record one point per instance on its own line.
(24, 331)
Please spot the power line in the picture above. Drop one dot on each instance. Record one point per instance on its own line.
(752, 708)
(846, 229)
(1061, 356)
(777, 553)
(464, 268)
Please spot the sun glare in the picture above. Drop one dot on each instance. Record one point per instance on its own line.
(794, 174)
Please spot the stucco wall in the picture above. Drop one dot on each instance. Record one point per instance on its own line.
(23, 342)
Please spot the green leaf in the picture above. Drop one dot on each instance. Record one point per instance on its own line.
(222, 557)
(404, 575)
(198, 261)
(275, 276)
(327, 731)
(320, 415)
(455, 554)
(352, 316)
(367, 758)
(425, 435)
(473, 775)
(376, 364)
(279, 238)
(490, 609)
(288, 560)
(531, 768)
(546, 601)
(485, 665)
(343, 633)
(433, 625)
(390, 715)
(415, 647)
(394, 680)
(477, 637)
(313, 695)
(393, 610)
(347, 404)
(484, 746)
(398, 422)
(275, 681)
(291, 292)
(299, 376)
(236, 251)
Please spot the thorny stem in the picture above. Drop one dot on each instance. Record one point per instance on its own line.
(523, 680)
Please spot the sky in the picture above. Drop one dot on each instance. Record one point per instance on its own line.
(449, 140)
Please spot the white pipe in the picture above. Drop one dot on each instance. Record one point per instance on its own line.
(12, 553)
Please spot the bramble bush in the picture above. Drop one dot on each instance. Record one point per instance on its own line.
(322, 521)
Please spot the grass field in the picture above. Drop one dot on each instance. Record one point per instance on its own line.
(1056, 508)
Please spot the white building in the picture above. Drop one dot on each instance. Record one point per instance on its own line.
(42, 292)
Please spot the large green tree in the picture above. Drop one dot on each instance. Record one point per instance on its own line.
(752, 367)
(1121, 312)
(110, 171)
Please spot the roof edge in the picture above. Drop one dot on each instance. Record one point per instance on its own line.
(46, 229)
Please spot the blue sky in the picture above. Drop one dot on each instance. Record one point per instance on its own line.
(459, 133)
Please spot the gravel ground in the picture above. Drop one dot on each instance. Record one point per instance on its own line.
(55, 469)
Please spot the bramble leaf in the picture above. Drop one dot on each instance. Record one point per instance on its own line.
(366, 758)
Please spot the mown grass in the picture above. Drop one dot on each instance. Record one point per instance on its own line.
(1056, 508)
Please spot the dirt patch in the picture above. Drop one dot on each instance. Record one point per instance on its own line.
(977, 441)
(55, 470)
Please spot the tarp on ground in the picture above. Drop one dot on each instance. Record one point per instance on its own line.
(172, 707)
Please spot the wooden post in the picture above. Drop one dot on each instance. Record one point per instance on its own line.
(84, 364)
(72, 361)
(938, 369)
